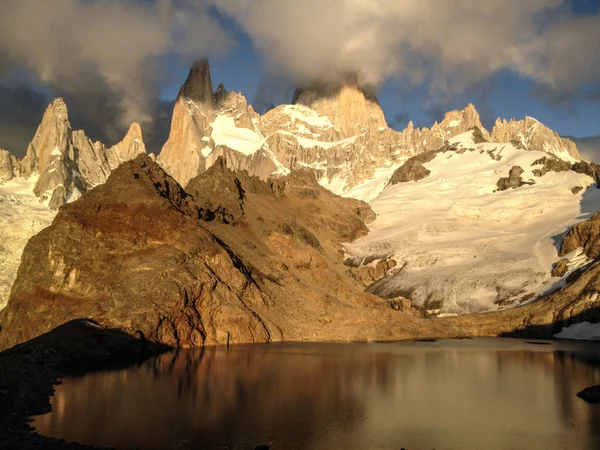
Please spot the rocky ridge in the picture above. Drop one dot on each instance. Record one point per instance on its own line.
(222, 266)
(534, 135)
(337, 131)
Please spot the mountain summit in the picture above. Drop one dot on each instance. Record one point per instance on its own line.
(351, 108)
(198, 85)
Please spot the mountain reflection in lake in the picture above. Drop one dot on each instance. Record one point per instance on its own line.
(483, 393)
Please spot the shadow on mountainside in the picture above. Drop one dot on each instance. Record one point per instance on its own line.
(547, 331)
(28, 372)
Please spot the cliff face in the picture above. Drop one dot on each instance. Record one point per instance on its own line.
(351, 109)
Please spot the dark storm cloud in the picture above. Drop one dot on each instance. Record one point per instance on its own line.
(103, 56)
(21, 109)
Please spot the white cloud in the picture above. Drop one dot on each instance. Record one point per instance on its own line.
(449, 44)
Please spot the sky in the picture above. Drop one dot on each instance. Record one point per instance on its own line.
(115, 62)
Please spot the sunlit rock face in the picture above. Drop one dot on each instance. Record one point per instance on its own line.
(10, 166)
(67, 161)
(207, 125)
(534, 135)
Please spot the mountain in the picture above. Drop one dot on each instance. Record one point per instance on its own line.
(461, 240)
(351, 108)
(232, 259)
(65, 161)
(450, 200)
(206, 125)
(338, 131)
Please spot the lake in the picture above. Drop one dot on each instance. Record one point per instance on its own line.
(448, 394)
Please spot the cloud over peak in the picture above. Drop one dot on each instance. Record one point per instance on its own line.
(109, 58)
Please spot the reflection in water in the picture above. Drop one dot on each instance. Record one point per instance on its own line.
(484, 393)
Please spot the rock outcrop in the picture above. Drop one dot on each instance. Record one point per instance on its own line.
(242, 261)
(10, 166)
(588, 168)
(513, 181)
(412, 170)
(584, 235)
(560, 268)
(550, 164)
(534, 135)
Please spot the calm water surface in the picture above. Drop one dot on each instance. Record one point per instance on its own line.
(453, 394)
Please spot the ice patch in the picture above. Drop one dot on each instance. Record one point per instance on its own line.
(21, 216)
(584, 331)
(307, 115)
(242, 140)
(206, 151)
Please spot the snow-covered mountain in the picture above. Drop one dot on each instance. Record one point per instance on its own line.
(21, 216)
(338, 131)
(459, 243)
(475, 226)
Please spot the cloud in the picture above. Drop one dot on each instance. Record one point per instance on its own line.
(448, 45)
(109, 58)
(589, 147)
(104, 56)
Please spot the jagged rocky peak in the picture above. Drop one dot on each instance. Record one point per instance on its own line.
(220, 94)
(467, 117)
(352, 107)
(531, 134)
(52, 135)
(67, 161)
(131, 146)
(206, 125)
(10, 166)
(198, 85)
